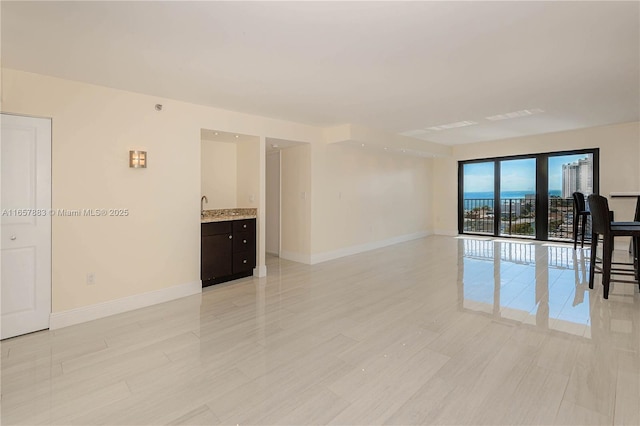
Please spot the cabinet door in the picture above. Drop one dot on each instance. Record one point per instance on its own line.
(216, 256)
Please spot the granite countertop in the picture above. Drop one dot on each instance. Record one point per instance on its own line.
(220, 215)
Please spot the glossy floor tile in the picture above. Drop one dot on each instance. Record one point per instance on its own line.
(439, 330)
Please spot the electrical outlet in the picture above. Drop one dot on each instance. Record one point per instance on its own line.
(91, 278)
(252, 198)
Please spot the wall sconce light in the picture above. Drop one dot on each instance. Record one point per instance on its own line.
(138, 159)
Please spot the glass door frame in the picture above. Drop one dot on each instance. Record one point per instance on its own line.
(542, 188)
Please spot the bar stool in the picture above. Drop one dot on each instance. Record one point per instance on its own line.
(579, 212)
(603, 226)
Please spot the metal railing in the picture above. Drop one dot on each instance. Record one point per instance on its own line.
(478, 215)
(517, 217)
(560, 218)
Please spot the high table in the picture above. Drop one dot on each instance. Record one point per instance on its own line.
(636, 216)
(636, 195)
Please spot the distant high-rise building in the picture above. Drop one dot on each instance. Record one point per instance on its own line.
(577, 177)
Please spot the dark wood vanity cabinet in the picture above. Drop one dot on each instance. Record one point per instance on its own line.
(228, 250)
(216, 250)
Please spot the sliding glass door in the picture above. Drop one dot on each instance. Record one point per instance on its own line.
(478, 198)
(527, 196)
(567, 174)
(518, 197)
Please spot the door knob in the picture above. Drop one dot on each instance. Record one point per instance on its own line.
(13, 237)
(230, 236)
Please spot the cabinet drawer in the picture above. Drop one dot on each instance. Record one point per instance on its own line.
(244, 241)
(245, 225)
(244, 261)
(215, 228)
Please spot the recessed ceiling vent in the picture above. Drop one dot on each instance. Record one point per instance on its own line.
(515, 114)
(420, 133)
(452, 125)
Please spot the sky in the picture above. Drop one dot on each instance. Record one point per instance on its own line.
(516, 175)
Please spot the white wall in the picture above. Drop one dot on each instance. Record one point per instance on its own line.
(219, 180)
(295, 201)
(157, 246)
(354, 199)
(273, 203)
(248, 173)
(365, 198)
(619, 166)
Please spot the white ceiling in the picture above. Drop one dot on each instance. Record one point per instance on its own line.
(395, 66)
(225, 137)
(271, 144)
(276, 144)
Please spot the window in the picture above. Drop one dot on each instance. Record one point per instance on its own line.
(526, 196)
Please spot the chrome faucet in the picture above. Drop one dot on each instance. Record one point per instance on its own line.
(202, 201)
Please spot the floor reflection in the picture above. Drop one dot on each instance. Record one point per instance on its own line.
(545, 285)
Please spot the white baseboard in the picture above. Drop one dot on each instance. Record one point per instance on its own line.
(112, 307)
(348, 251)
(295, 257)
(446, 232)
(260, 271)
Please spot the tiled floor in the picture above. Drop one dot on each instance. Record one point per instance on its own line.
(438, 330)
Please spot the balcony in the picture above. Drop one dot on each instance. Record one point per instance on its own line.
(517, 217)
(561, 219)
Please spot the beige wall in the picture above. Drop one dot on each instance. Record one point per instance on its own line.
(363, 196)
(248, 173)
(219, 180)
(230, 173)
(296, 203)
(352, 198)
(619, 152)
(158, 245)
(272, 244)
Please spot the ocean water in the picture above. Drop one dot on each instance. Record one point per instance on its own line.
(508, 194)
(472, 197)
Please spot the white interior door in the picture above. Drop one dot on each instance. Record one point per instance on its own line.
(25, 152)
